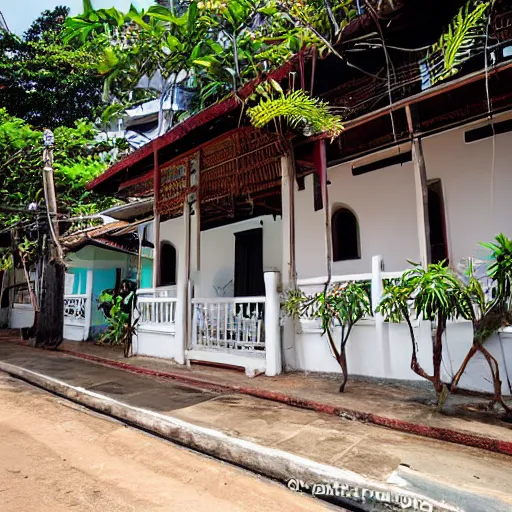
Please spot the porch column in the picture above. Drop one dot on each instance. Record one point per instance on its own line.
(88, 305)
(156, 221)
(288, 275)
(272, 329)
(421, 187)
(182, 306)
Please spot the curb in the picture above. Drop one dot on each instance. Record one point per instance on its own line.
(300, 474)
(438, 433)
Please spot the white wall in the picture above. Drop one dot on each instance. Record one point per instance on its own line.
(218, 254)
(477, 198)
(478, 207)
(384, 203)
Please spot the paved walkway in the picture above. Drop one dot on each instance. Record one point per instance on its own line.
(395, 406)
(368, 450)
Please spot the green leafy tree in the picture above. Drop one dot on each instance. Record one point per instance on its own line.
(80, 155)
(46, 82)
(439, 294)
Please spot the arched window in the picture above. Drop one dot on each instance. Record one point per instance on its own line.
(167, 264)
(345, 235)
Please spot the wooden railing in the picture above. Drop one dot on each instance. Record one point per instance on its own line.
(229, 323)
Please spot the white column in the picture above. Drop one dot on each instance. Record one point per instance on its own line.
(88, 305)
(272, 327)
(182, 306)
(382, 350)
(288, 275)
(156, 250)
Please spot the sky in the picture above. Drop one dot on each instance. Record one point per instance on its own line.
(19, 14)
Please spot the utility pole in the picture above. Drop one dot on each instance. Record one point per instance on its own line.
(50, 327)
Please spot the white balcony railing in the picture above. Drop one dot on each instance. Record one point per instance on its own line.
(229, 323)
(75, 308)
(157, 311)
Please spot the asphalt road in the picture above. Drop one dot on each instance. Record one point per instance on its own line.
(56, 456)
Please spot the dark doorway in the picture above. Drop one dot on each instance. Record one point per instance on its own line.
(436, 218)
(167, 264)
(249, 263)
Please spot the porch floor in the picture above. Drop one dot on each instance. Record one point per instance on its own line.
(366, 449)
(364, 399)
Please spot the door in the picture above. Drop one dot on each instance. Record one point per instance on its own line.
(436, 217)
(249, 263)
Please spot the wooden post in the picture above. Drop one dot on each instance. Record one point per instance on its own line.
(421, 187)
(288, 215)
(285, 351)
(156, 220)
(321, 165)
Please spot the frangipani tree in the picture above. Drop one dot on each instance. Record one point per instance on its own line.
(340, 305)
(439, 294)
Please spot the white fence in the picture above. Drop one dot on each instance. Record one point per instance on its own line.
(157, 310)
(229, 323)
(77, 317)
(75, 308)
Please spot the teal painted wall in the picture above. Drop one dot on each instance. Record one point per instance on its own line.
(146, 279)
(80, 281)
(102, 279)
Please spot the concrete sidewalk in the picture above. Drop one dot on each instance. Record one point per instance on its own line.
(275, 439)
(400, 407)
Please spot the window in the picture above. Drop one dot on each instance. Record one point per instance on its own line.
(167, 264)
(345, 235)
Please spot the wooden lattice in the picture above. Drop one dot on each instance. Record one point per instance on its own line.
(238, 164)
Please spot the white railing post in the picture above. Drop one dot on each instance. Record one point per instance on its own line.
(88, 305)
(272, 327)
(377, 286)
(380, 329)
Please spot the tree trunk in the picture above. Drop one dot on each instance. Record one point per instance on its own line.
(343, 363)
(438, 354)
(50, 331)
(495, 372)
(463, 366)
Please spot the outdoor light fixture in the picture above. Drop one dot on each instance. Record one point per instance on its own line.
(48, 138)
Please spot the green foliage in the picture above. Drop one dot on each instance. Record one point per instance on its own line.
(340, 305)
(501, 269)
(439, 294)
(214, 46)
(117, 323)
(299, 111)
(47, 83)
(457, 41)
(117, 308)
(79, 157)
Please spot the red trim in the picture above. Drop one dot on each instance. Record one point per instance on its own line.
(203, 117)
(441, 434)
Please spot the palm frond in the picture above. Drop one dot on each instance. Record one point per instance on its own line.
(454, 46)
(299, 111)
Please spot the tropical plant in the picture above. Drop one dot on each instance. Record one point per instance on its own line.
(208, 48)
(341, 306)
(439, 294)
(117, 307)
(489, 313)
(458, 41)
(79, 156)
(298, 110)
(46, 82)
(433, 294)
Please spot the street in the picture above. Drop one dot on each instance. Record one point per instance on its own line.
(57, 456)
